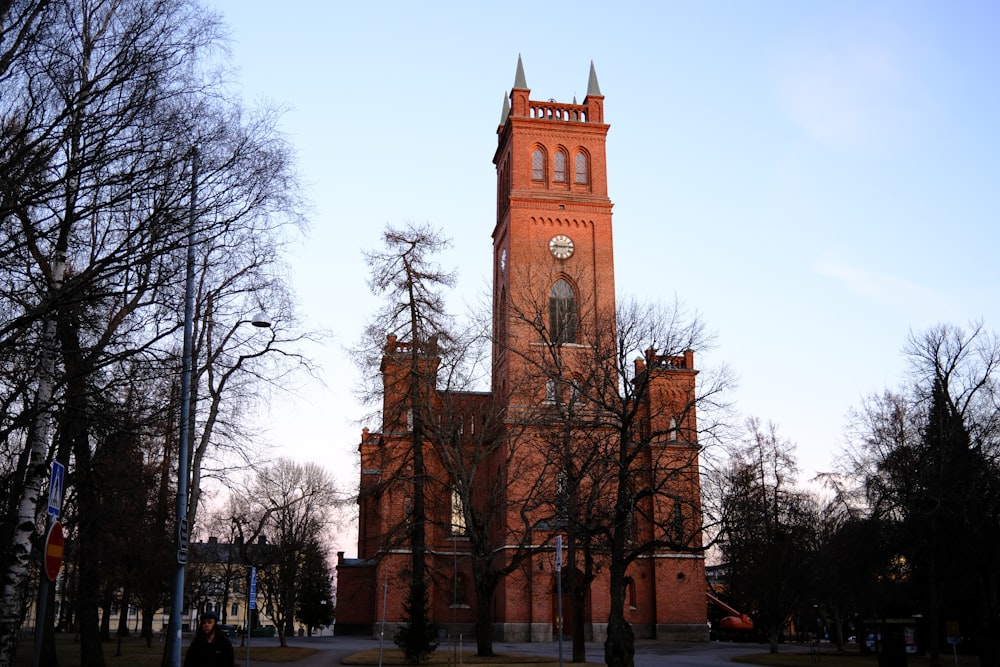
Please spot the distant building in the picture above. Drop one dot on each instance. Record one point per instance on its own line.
(553, 255)
(218, 580)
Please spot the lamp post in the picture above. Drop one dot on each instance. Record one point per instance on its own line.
(174, 634)
(177, 595)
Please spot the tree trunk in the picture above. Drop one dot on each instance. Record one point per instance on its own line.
(19, 550)
(619, 647)
(148, 611)
(484, 620)
(578, 599)
(88, 591)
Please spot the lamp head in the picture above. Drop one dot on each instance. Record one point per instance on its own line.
(261, 320)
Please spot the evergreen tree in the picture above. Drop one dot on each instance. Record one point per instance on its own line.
(315, 588)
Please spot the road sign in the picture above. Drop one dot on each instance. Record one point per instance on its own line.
(253, 588)
(56, 488)
(182, 542)
(54, 544)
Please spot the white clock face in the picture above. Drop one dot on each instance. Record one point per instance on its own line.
(561, 246)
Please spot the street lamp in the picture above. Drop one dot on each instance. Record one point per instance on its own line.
(177, 595)
(181, 536)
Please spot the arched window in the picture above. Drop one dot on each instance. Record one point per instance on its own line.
(457, 513)
(559, 167)
(538, 165)
(562, 313)
(580, 172)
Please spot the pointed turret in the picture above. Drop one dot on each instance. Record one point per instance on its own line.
(505, 112)
(519, 81)
(594, 100)
(518, 94)
(592, 86)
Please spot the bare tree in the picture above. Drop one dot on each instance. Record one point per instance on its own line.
(471, 440)
(291, 505)
(767, 529)
(926, 459)
(106, 101)
(620, 418)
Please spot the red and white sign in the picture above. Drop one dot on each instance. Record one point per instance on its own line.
(54, 545)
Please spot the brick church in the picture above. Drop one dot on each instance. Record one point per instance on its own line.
(541, 423)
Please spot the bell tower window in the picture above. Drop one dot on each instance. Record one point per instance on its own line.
(562, 313)
(581, 169)
(538, 165)
(559, 167)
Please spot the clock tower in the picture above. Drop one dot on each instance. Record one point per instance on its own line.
(548, 433)
(553, 263)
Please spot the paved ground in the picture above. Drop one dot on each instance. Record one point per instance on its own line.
(648, 653)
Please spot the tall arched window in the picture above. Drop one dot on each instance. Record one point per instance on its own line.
(457, 513)
(580, 173)
(559, 167)
(562, 313)
(538, 165)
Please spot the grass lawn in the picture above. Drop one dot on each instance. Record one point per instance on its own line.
(445, 657)
(828, 657)
(135, 654)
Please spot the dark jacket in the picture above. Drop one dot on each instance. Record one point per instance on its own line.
(217, 653)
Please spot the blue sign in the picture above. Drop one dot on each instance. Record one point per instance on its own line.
(56, 488)
(253, 588)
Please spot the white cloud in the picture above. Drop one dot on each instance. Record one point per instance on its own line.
(917, 301)
(853, 87)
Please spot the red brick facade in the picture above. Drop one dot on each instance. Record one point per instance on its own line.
(552, 250)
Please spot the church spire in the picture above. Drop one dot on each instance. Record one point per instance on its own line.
(519, 81)
(592, 86)
(506, 108)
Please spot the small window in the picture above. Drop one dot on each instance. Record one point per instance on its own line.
(673, 430)
(559, 167)
(235, 609)
(550, 391)
(538, 165)
(562, 313)
(631, 593)
(457, 513)
(580, 177)
(562, 498)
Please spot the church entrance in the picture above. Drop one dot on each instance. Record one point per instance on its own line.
(568, 617)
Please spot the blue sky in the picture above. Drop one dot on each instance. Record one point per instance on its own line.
(817, 179)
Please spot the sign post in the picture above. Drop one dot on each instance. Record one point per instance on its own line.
(251, 605)
(559, 609)
(54, 544)
(56, 480)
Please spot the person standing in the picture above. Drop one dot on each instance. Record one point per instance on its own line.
(210, 647)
